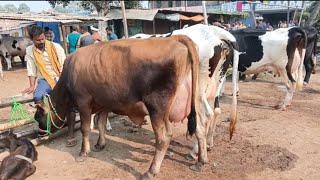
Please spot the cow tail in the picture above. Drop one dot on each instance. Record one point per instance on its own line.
(302, 45)
(194, 58)
(233, 115)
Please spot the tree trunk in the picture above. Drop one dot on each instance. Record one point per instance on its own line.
(314, 14)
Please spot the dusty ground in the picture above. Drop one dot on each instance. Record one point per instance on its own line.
(268, 144)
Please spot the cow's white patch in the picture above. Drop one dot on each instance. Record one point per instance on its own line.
(274, 45)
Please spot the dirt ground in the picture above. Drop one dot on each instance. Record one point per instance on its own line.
(268, 144)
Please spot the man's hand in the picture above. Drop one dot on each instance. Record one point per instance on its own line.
(29, 90)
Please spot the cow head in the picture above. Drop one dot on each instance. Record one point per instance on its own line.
(8, 140)
(41, 115)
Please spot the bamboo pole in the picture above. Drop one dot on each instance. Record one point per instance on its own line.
(124, 19)
(7, 102)
(18, 123)
(64, 39)
(288, 14)
(61, 132)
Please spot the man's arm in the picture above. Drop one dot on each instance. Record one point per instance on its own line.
(32, 72)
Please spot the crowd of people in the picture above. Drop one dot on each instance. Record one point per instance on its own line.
(80, 37)
(260, 24)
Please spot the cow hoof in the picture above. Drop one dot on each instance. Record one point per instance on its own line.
(280, 107)
(209, 148)
(197, 167)
(81, 158)
(71, 142)
(189, 157)
(305, 83)
(98, 148)
(147, 176)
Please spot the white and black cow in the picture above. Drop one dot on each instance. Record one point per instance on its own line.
(311, 51)
(281, 51)
(215, 46)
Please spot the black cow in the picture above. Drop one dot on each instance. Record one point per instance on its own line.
(280, 51)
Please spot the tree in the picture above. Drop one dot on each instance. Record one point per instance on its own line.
(102, 7)
(314, 12)
(23, 8)
(10, 8)
(2, 8)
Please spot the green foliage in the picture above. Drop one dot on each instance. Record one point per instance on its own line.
(102, 7)
(10, 8)
(132, 4)
(23, 8)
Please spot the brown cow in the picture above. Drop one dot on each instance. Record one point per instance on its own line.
(135, 78)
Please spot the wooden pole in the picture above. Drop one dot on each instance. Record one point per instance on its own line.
(154, 26)
(185, 5)
(288, 14)
(7, 102)
(10, 125)
(205, 12)
(64, 38)
(124, 19)
(62, 131)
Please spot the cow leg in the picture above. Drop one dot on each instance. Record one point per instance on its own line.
(85, 116)
(108, 126)
(255, 76)
(71, 120)
(163, 134)
(8, 60)
(1, 70)
(308, 67)
(290, 87)
(212, 124)
(23, 62)
(159, 109)
(101, 143)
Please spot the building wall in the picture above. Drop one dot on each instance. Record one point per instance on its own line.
(166, 4)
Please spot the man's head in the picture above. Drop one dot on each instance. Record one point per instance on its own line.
(83, 29)
(75, 28)
(108, 30)
(37, 36)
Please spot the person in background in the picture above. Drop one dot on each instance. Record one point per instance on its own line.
(95, 34)
(48, 33)
(44, 64)
(85, 38)
(72, 39)
(111, 35)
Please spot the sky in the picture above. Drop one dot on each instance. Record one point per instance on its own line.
(35, 6)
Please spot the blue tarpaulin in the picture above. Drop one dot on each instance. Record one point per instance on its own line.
(54, 26)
